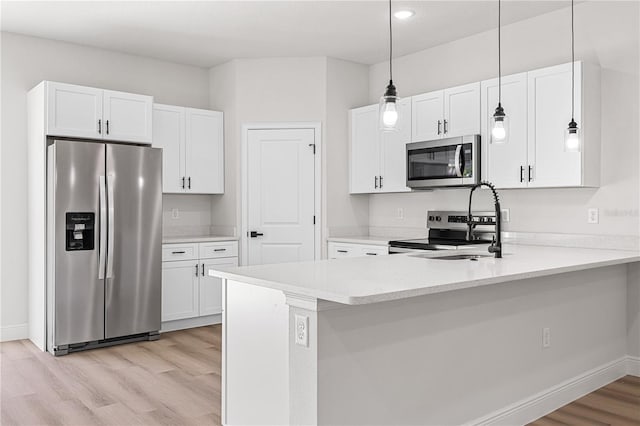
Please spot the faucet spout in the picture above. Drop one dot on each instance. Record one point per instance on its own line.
(496, 245)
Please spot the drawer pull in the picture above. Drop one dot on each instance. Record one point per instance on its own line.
(178, 252)
(342, 251)
(372, 254)
(220, 249)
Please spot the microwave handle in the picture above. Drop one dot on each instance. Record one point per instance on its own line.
(458, 159)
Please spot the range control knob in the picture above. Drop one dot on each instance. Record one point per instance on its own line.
(438, 218)
(431, 218)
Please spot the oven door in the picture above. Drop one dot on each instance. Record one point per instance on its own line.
(444, 162)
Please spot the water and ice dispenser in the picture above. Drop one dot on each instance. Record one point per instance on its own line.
(80, 231)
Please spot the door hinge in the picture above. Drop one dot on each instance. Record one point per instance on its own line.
(314, 147)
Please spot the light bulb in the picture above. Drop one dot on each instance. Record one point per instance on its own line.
(572, 138)
(499, 132)
(389, 114)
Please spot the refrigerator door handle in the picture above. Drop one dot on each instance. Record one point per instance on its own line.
(102, 250)
(110, 227)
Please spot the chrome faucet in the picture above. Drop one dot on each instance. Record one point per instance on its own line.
(496, 244)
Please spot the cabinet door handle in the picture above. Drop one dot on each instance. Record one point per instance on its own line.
(380, 182)
(530, 173)
(189, 186)
(203, 269)
(445, 127)
(178, 252)
(107, 123)
(183, 179)
(99, 126)
(376, 182)
(220, 249)
(521, 173)
(342, 251)
(197, 269)
(439, 126)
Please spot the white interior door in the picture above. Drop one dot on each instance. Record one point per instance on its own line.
(280, 195)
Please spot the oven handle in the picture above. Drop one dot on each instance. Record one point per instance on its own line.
(459, 161)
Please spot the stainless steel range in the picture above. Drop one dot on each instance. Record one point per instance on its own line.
(448, 231)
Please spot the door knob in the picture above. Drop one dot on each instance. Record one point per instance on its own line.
(254, 234)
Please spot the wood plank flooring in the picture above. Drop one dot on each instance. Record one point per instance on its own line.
(615, 404)
(172, 381)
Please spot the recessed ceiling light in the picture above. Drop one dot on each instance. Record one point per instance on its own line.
(404, 14)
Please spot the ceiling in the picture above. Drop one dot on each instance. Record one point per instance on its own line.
(208, 33)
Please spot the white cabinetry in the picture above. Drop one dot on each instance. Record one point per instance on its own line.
(187, 291)
(87, 112)
(193, 149)
(377, 159)
(538, 104)
(505, 164)
(446, 113)
(340, 250)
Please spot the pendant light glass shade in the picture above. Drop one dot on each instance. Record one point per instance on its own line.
(389, 101)
(499, 125)
(572, 139)
(572, 136)
(389, 109)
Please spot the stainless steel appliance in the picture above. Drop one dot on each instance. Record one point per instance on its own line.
(448, 230)
(104, 236)
(444, 162)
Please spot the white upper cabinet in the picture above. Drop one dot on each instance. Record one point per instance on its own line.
(427, 115)
(461, 111)
(87, 112)
(193, 149)
(204, 151)
(393, 155)
(365, 149)
(74, 111)
(505, 164)
(446, 113)
(169, 134)
(127, 116)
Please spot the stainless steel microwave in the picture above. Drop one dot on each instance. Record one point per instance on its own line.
(444, 162)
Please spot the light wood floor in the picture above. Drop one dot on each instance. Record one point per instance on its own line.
(615, 404)
(172, 381)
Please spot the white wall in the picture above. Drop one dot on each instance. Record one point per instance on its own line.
(607, 33)
(289, 90)
(25, 62)
(633, 310)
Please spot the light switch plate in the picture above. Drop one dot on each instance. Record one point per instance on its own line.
(506, 215)
(175, 214)
(593, 215)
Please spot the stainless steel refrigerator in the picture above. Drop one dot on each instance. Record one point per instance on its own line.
(104, 244)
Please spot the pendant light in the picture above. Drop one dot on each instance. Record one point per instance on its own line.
(388, 101)
(499, 121)
(572, 134)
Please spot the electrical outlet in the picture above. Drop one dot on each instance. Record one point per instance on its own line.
(593, 215)
(546, 337)
(302, 330)
(506, 216)
(400, 213)
(175, 214)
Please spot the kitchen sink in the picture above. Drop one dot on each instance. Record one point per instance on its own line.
(455, 256)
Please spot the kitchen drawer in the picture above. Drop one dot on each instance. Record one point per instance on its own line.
(337, 251)
(172, 252)
(374, 250)
(218, 249)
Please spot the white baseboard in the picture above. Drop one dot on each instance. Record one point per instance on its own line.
(190, 323)
(633, 365)
(14, 332)
(543, 403)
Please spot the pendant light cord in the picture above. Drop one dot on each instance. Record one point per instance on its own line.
(390, 44)
(573, 61)
(500, 55)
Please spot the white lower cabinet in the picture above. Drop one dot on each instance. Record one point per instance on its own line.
(340, 250)
(187, 290)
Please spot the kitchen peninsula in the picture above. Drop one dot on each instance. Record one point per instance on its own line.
(411, 339)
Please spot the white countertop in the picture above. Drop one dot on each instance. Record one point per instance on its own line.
(196, 239)
(363, 280)
(368, 240)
